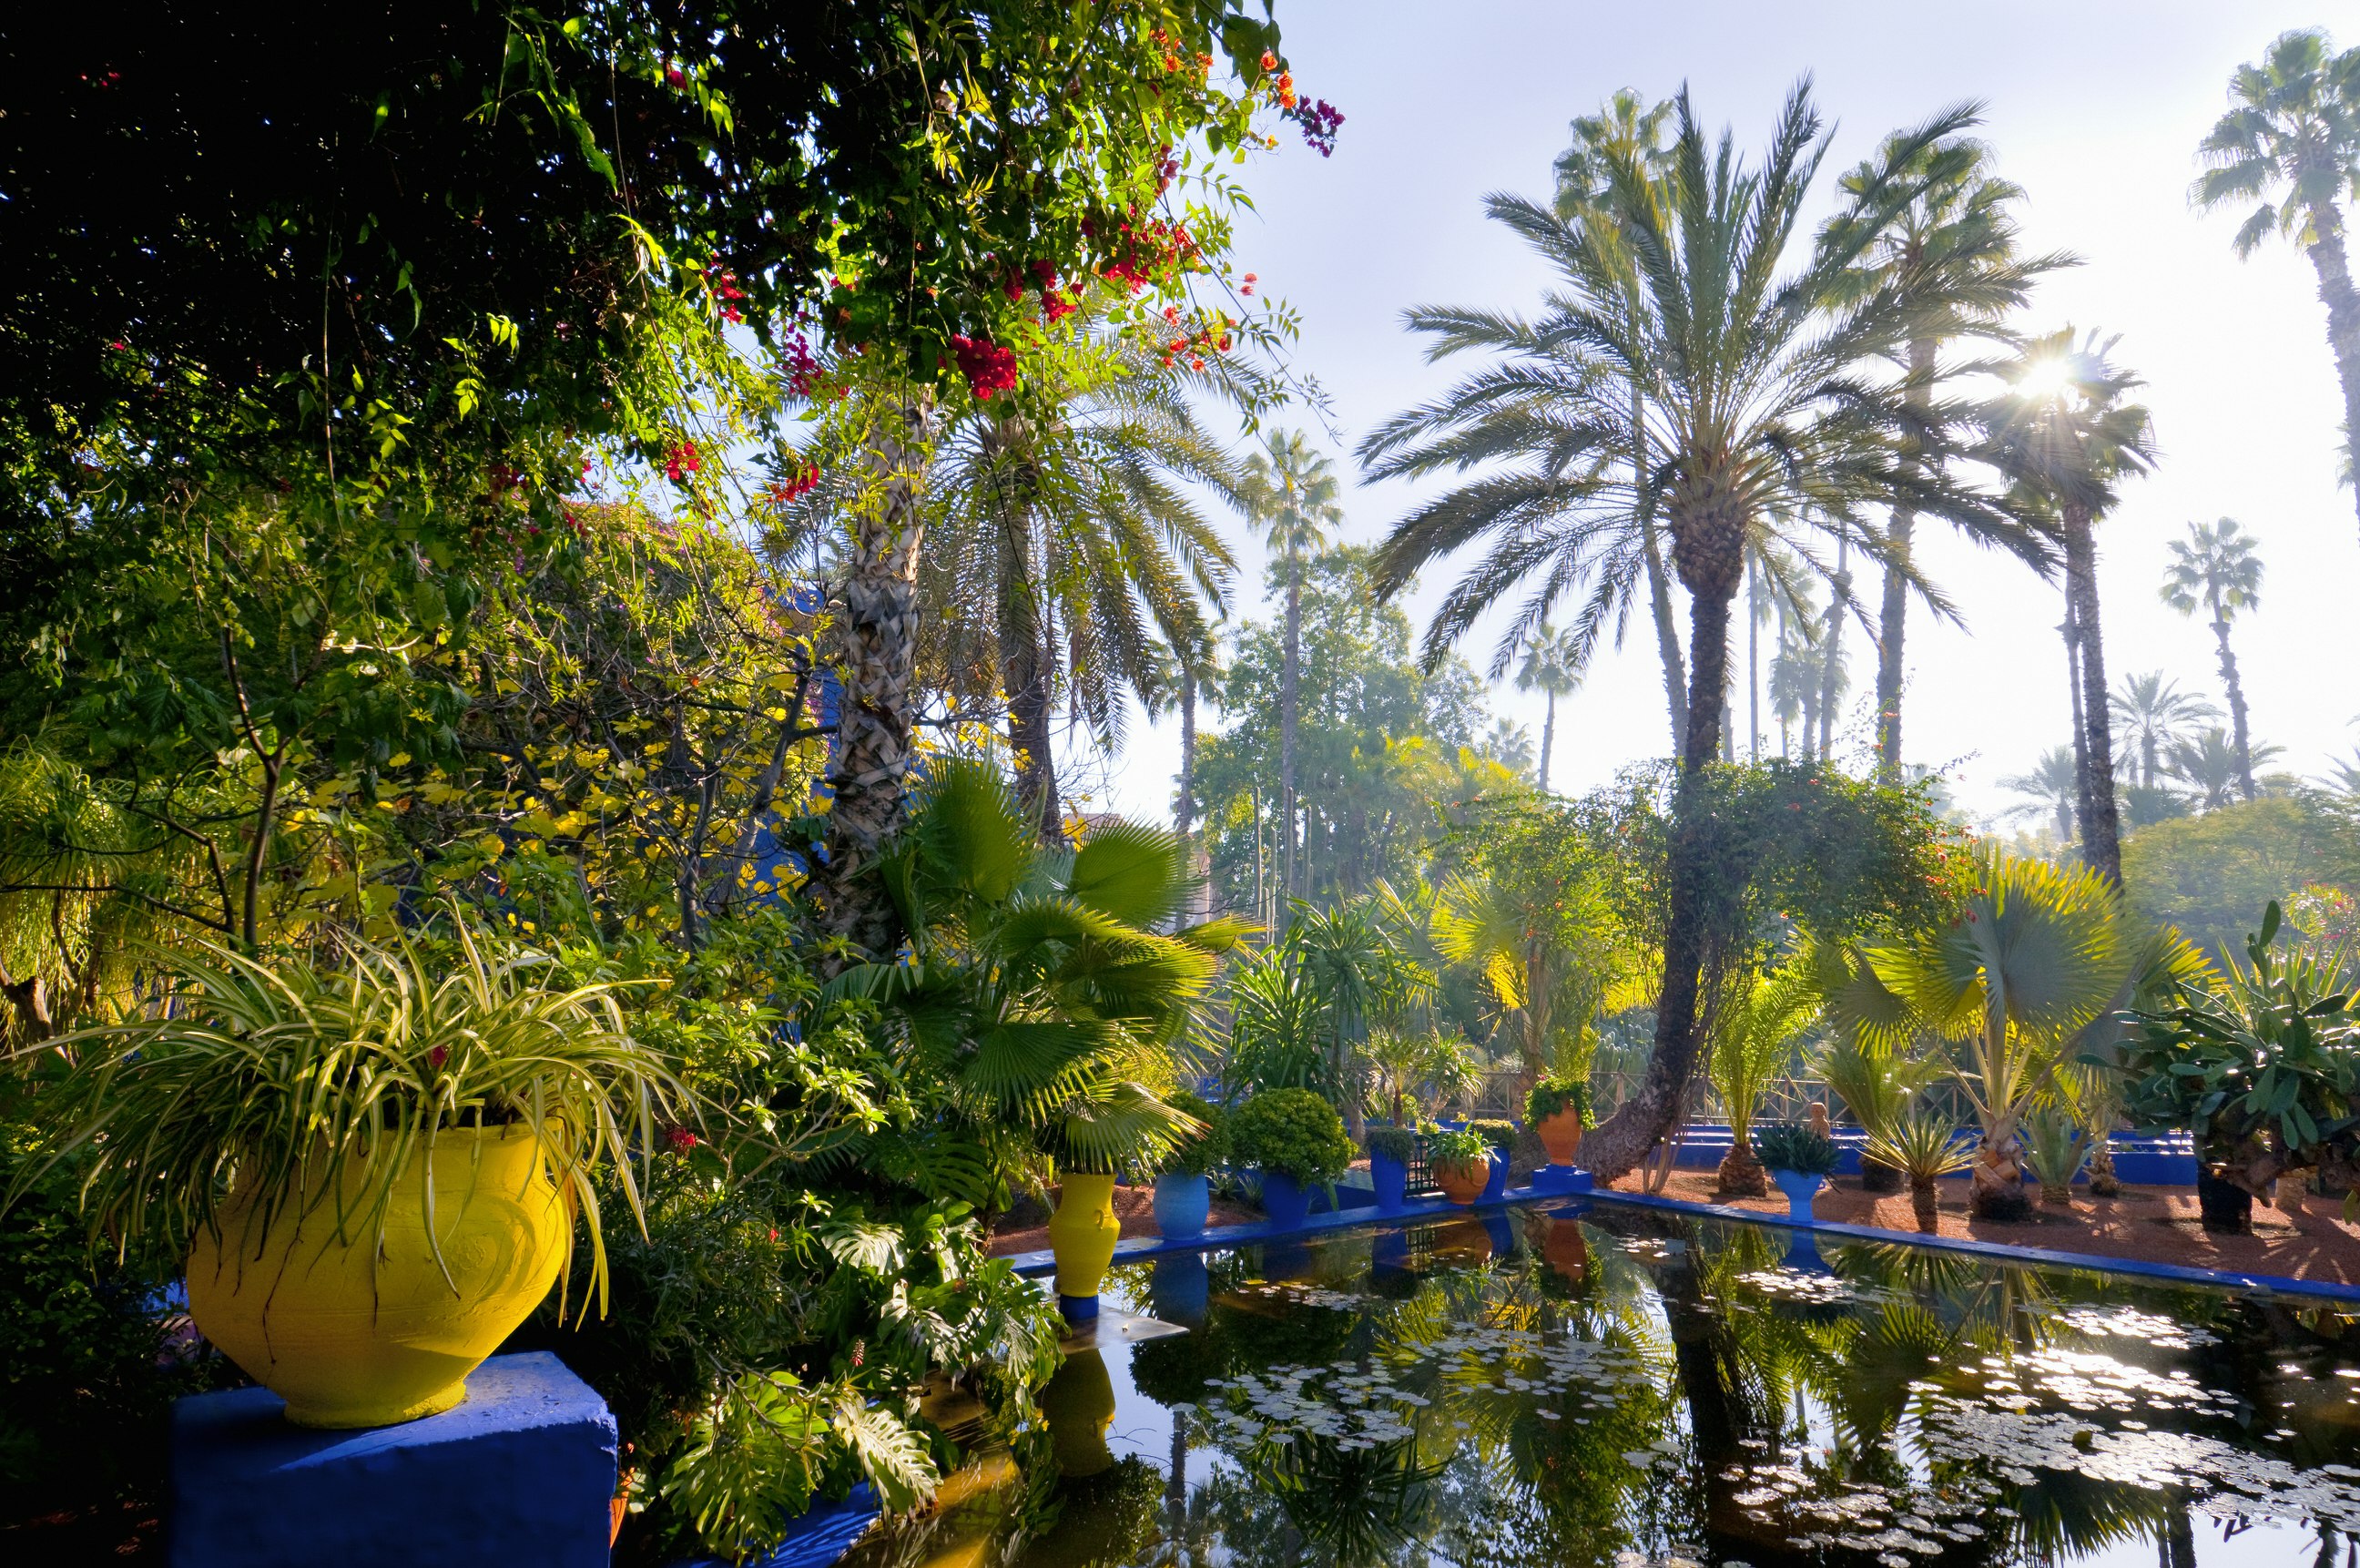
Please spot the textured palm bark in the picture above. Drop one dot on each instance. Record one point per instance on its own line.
(1668, 638)
(878, 615)
(1548, 740)
(1024, 673)
(1894, 613)
(1831, 657)
(2101, 830)
(2239, 736)
(1741, 1174)
(2069, 629)
(1289, 674)
(1708, 551)
(2329, 259)
(1184, 807)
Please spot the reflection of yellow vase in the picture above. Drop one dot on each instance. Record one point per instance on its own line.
(352, 1336)
(1078, 1404)
(1082, 1234)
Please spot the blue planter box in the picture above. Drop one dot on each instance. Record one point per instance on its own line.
(1390, 1177)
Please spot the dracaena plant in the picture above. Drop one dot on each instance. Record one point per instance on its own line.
(321, 1086)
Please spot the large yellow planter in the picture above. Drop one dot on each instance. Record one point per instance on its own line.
(350, 1337)
(1082, 1234)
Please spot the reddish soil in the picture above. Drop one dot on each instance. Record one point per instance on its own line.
(2307, 1240)
(1134, 1206)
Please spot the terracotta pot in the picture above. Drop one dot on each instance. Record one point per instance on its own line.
(1561, 1134)
(1565, 1252)
(1463, 1183)
(1463, 1241)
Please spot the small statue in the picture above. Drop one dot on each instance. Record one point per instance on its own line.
(1816, 1112)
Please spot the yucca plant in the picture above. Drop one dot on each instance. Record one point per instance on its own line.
(319, 1087)
(2054, 1151)
(1924, 1146)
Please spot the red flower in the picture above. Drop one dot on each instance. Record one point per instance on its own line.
(672, 75)
(988, 369)
(1269, 60)
(681, 1139)
(1055, 306)
(436, 1057)
(682, 461)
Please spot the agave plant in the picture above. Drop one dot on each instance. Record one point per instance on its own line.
(312, 1087)
(1036, 985)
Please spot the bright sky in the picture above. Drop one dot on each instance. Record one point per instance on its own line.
(2094, 108)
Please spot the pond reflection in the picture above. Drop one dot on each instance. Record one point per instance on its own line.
(1593, 1385)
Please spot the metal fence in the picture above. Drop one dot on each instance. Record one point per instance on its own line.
(1784, 1099)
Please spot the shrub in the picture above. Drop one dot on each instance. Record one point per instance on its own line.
(1793, 1145)
(1498, 1134)
(1294, 1133)
(1551, 1095)
(1397, 1144)
(1197, 1156)
(1464, 1146)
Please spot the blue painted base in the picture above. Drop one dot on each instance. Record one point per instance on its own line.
(820, 1535)
(1562, 1178)
(1079, 1309)
(520, 1476)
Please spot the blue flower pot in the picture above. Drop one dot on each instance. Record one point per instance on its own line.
(1800, 1187)
(1285, 1200)
(1182, 1203)
(1391, 1177)
(1496, 1187)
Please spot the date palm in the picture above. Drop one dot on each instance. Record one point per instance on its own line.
(2291, 140)
(1290, 495)
(1759, 422)
(2155, 713)
(2218, 569)
(2211, 765)
(1952, 250)
(2065, 435)
(1552, 666)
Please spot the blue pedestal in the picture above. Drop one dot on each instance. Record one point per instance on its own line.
(519, 1476)
(1561, 1179)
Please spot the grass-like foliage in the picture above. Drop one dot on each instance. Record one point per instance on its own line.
(1923, 1145)
(1794, 1146)
(320, 1087)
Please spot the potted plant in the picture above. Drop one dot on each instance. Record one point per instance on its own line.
(1182, 1197)
(1800, 1160)
(375, 1171)
(1461, 1159)
(1391, 1149)
(1296, 1141)
(1558, 1110)
(1924, 1147)
(1502, 1137)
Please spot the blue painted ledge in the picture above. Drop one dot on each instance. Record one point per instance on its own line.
(822, 1535)
(2042, 1257)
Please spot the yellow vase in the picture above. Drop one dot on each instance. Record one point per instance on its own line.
(1082, 1234)
(350, 1336)
(1078, 1404)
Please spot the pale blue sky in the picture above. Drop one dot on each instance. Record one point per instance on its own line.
(2094, 108)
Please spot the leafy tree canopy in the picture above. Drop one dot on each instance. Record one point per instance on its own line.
(2208, 875)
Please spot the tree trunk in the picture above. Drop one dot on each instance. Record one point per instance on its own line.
(2342, 302)
(879, 621)
(1752, 662)
(1894, 613)
(1831, 656)
(2238, 735)
(2069, 629)
(1025, 671)
(1741, 1174)
(1286, 715)
(1659, 584)
(1184, 808)
(1924, 1203)
(2100, 832)
(1711, 556)
(1548, 740)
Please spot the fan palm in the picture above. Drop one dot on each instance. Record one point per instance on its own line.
(1757, 419)
(1952, 251)
(2054, 787)
(1066, 555)
(2036, 954)
(2065, 435)
(1290, 495)
(1035, 986)
(2219, 569)
(1553, 667)
(2155, 713)
(2292, 139)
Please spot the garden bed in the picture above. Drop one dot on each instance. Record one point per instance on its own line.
(2309, 1240)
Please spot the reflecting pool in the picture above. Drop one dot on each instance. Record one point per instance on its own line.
(1595, 1384)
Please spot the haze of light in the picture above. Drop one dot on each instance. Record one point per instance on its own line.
(2095, 109)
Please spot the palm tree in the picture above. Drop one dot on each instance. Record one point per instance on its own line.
(1291, 496)
(2292, 141)
(1551, 666)
(2211, 765)
(1067, 557)
(2155, 713)
(2064, 434)
(1757, 423)
(2219, 569)
(2054, 787)
(1953, 249)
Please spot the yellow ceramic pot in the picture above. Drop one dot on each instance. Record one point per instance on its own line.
(1083, 1232)
(1078, 1404)
(350, 1336)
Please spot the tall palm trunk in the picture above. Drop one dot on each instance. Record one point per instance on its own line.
(1659, 583)
(1892, 615)
(1289, 675)
(2329, 259)
(1549, 738)
(1183, 810)
(1838, 602)
(1024, 671)
(2069, 629)
(2101, 832)
(2238, 734)
(879, 623)
(1711, 555)
(1752, 660)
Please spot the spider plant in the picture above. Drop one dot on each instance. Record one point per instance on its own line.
(1923, 1145)
(282, 1085)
